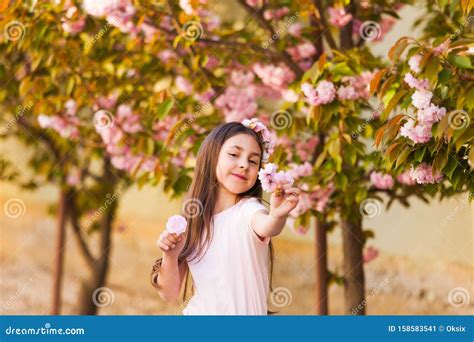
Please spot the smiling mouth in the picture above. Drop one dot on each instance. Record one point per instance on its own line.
(240, 177)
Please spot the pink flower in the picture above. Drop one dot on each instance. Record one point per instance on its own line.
(274, 76)
(405, 178)
(73, 178)
(420, 133)
(441, 48)
(347, 93)
(176, 224)
(166, 55)
(304, 170)
(302, 51)
(148, 31)
(289, 95)
(186, 6)
(275, 14)
(107, 102)
(184, 85)
(421, 98)
(423, 174)
(295, 29)
(321, 196)
(414, 63)
(370, 254)
(254, 3)
(415, 83)
(304, 204)
(70, 107)
(73, 27)
(323, 94)
(100, 8)
(242, 79)
(128, 121)
(266, 176)
(381, 181)
(237, 104)
(283, 177)
(431, 114)
(338, 16)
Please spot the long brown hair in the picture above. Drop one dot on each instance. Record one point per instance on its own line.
(202, 196)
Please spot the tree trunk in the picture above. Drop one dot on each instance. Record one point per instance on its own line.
(58, 267)
(354, 283)
(93, 293)
(322, 301)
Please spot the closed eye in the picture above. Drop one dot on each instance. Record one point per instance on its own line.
(232, 154)
(254, 162)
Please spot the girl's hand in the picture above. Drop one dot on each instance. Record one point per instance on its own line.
(284, 200)
(171, 244)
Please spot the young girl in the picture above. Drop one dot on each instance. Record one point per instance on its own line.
(226, 247)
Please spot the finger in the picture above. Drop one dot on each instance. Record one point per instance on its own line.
(163, 246)
(173, 238)
(169, 243)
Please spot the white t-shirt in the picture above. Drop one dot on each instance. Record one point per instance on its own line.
(232, 278)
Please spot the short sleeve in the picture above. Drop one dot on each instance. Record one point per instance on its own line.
(251, 207)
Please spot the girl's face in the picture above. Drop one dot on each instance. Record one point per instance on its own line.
(238, 163)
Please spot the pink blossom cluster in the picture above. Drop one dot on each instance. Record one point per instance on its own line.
(238, 101)
(406, 178)
(65, 124)
(302, 54)
(316, 199)
(381, 181)
(274, 76)
(423, 174)
(324, 93)
(72, 22)
(271, 179)
(278, 13)
(427, 113)
(338, 17)
(119, 13)
(303, 170)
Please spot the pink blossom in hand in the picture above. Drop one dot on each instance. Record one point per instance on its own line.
(176, 224)
(381, 181)
(338, 17)
(266, 176)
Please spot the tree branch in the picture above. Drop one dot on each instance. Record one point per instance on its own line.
(325, 25)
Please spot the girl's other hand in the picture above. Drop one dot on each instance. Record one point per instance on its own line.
(171, 244)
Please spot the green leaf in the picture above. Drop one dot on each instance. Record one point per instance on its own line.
(462, 62)
(391, 105)
(403, 156)
(164, 108)
(419, 153)
(341, 181)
